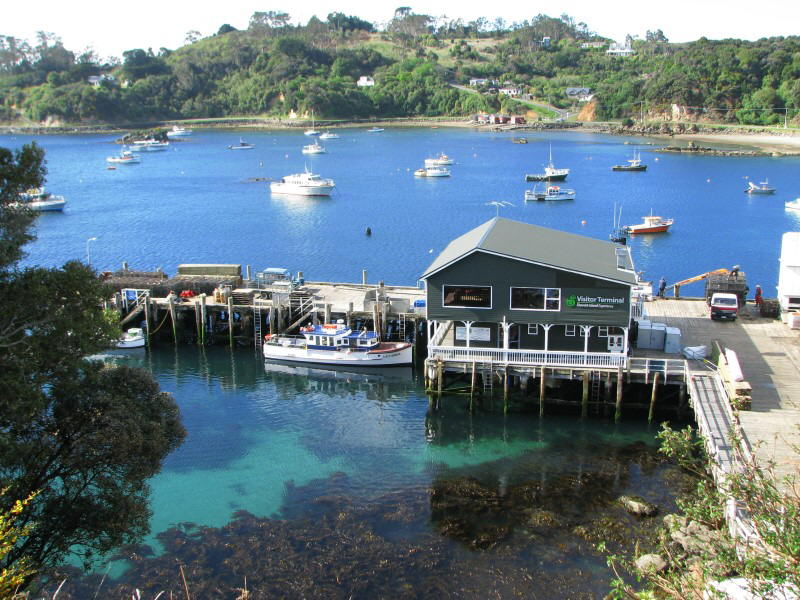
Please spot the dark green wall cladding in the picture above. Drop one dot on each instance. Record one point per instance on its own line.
(594, 297)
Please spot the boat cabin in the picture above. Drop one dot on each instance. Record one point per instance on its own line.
(338, 336)
(514, 293)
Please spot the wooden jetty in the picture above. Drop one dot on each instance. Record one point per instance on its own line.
(216, 304)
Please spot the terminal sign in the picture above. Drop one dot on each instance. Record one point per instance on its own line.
(596, 302)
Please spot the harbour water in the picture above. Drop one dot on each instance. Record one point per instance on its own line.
(342, 474)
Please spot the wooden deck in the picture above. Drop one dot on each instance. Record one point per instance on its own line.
(769, 354)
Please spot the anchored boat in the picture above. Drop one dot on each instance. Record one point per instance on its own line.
(303, 184)
(634, 165)
(550, 172)
(759, 188)
(440, 161)
(650, 224)
(551, 192)
(432, 172)
(39, 200)
(336, 344)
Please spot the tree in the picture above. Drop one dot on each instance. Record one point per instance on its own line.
(83, 436)
(655, 36)
(226, 28)
(192, 36)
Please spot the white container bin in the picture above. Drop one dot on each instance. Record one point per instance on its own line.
(672, 342)
(643, 334)
(658, 336)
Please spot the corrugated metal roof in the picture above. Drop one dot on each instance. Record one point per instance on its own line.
(540, 245)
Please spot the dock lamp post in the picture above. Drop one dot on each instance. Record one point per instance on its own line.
(88, 256)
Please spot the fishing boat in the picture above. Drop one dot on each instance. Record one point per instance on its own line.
(762, 187)
(634, 165)
(314, 149)
(439, 161)
(375, 129)
(39, 200)
(336, 344)
(303, 184)
(133, 338)
(242, 145)
(149, 145)
(432, 172)
(178, 131)
(125, 157)
(519, 140)
(551, 192)
(550, 172)
(619, 234)
(650, 224)
(793, 204)
(329, 135)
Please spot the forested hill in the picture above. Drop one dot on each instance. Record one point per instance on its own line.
(275, 69)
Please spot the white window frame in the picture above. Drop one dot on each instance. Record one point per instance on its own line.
(569, 330)
(533, 329)
(603, 331)
(466, 285)
(546, 290)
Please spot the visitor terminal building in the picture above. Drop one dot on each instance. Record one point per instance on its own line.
(517, 294)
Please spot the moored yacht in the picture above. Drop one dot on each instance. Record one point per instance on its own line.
(313, 149)
(125, 157)
(303, 184)
(242, 145)
(336, 344)
(39, 200)
(178, 131)
(149, 145)
(439, 161)
(432, 172)
(329, 135)
(551, 192)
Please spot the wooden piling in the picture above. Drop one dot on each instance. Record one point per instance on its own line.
(230, 321)
(618, 403)
(364, 277)
(203, 319)
(439, 378)
(682, 400)
(327, 313)
(653, 395)
(147, 318)
(349, 315)
(505, 389)
(473, 380)
(198, 322)
(587, 375)
(172, 318)
(541, 393)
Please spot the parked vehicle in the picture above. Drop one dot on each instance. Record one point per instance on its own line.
(724, 306)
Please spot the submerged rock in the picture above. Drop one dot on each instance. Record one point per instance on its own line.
(638, 506)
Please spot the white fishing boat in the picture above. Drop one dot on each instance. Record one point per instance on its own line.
(125, 157)
(439, 161)
(242, 145)
(762, 187)
(314, 149)
(149, 146)
(550, 172)
(634, 165)
(178, 131)
(133, 338)
(650, 224)
(550, 193)
(303, 184)
(329, 135)
(336, 344)
(312, 130)
(432, 172)
(375, 129)
(39, 200)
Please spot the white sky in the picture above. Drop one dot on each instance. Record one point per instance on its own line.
(111, 28)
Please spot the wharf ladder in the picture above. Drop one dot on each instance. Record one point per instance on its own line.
(401, 327)
(596, 379)
(487, 375)
(257, 324)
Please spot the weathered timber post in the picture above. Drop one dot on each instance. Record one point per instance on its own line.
(653, 395)
(505, 389)
(585, 395)
(172, 318)
(327, 313)
(439, 378)
(472, 382)
(618, 404)
(541, 393)
(682, 400)
(197, 321)
(349, 315)
(147, 318)
(203, 319)
(363, 277)
(273, 318)
(230, 321)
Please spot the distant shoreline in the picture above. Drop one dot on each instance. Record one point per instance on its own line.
(772, 143)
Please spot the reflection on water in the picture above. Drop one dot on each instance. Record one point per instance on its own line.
(305, 479)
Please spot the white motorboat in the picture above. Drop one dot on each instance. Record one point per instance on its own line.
(126, 157)
(440, 161)
(793, 204)
(336, 344)
(303, 184)
(39, 200)
(432, 172)
(133, 338)
(762, 187)
(242, 145)
(550, 172)
(314, 149)
(178, 131)
(149, 146)
(329, 135)
(375, 129)
(650, 224)
(550, 193)
(312, 130)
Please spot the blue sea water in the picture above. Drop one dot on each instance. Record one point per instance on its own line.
(194, 203)
(272, 440)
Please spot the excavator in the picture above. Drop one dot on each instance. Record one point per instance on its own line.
(676, 287)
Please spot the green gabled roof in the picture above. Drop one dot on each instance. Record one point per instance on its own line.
(540, 245)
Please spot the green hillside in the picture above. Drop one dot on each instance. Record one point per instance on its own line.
(273, 69)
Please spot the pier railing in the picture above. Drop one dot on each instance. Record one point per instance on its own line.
(670, 368)
(599, 360)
